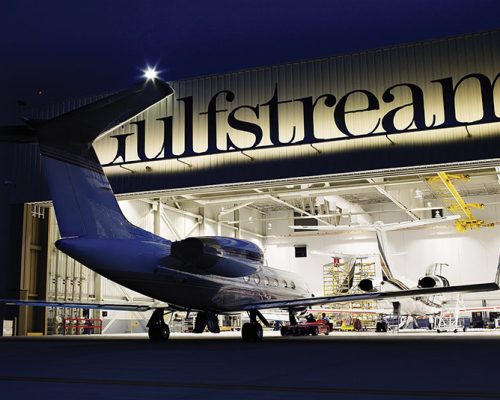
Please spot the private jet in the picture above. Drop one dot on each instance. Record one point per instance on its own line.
(206, 275)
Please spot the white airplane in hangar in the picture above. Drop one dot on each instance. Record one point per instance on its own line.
(386, 281)
(207, 275)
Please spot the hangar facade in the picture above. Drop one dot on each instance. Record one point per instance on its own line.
(345, 140)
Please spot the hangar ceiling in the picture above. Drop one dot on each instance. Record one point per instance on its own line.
(376, 196)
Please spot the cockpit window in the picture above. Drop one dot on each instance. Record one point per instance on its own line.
(275, 282)
(246, 278)
(256, 278)
(266, 281)
(292, 285)
(285, 284)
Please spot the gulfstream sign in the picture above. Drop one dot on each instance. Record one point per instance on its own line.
(381, 116)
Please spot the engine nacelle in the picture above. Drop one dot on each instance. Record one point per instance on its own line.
(430, 281)
(367, 285)
(218, 256)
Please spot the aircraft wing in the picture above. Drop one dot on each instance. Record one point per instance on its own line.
(345, 298)
(394, 226)
(98, 306)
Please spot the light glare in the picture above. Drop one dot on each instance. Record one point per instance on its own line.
(150, 73)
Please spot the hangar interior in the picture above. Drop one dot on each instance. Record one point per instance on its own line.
(265, 213)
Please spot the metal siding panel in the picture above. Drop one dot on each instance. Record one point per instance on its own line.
(373, 70)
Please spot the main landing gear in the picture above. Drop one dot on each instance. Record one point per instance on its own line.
(158, 330)
(206, 319)
(252, 331)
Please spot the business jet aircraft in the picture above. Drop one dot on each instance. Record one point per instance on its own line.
(387, 282)
(209, 275)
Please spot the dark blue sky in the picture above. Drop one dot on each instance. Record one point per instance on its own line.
(69, 49)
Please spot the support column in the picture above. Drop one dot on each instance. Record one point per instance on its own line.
(201, 212)
(33, 277)
(236, 217)
(157, 212)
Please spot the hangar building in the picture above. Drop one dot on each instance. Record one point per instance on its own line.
(392, 134)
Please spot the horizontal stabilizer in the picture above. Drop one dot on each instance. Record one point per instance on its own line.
(17, 134)
(82, 126)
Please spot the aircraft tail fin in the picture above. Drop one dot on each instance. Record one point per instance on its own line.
(83, 199)
(386, 269)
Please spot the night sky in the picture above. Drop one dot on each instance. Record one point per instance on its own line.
(55, 50)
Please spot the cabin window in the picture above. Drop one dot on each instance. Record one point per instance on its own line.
(246, 278)
(275, 282)
(285, 284)
(266, 281)
(256, 279)
(292, 285)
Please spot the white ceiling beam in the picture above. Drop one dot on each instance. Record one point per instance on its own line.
(237, 207)
(171, 227)
(180, 211)
(234, 199)
(393, 199)
(299, 210)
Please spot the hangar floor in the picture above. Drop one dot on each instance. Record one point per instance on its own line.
(339, 366)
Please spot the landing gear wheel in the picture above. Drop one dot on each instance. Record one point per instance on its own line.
(381, 326)
(315, 331)
(200, 323)
(284, 331)
(251, 332)
(159, 333)
(157, 328)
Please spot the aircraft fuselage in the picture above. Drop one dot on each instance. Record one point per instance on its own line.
(147, 267)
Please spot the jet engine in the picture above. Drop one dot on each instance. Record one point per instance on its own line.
(430, 281)
(222, 256)
(367, 285)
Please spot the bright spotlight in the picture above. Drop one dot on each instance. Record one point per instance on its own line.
(150, 74)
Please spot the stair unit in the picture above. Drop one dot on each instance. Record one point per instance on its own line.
(338, 279)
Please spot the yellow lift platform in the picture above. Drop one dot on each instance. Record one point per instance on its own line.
(445, 190)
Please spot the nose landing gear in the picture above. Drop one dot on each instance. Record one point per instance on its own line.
(206, 319)
(252, 331)
(158, 330)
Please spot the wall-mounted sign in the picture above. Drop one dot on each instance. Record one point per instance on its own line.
(415, 105)
(404, 110)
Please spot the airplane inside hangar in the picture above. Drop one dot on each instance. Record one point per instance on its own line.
(318, 175)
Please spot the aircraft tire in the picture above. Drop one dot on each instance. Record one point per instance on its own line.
(259, 334)
(159, 333)
(200, 322)
(315, 331)
(251, 332)
(284, 331)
